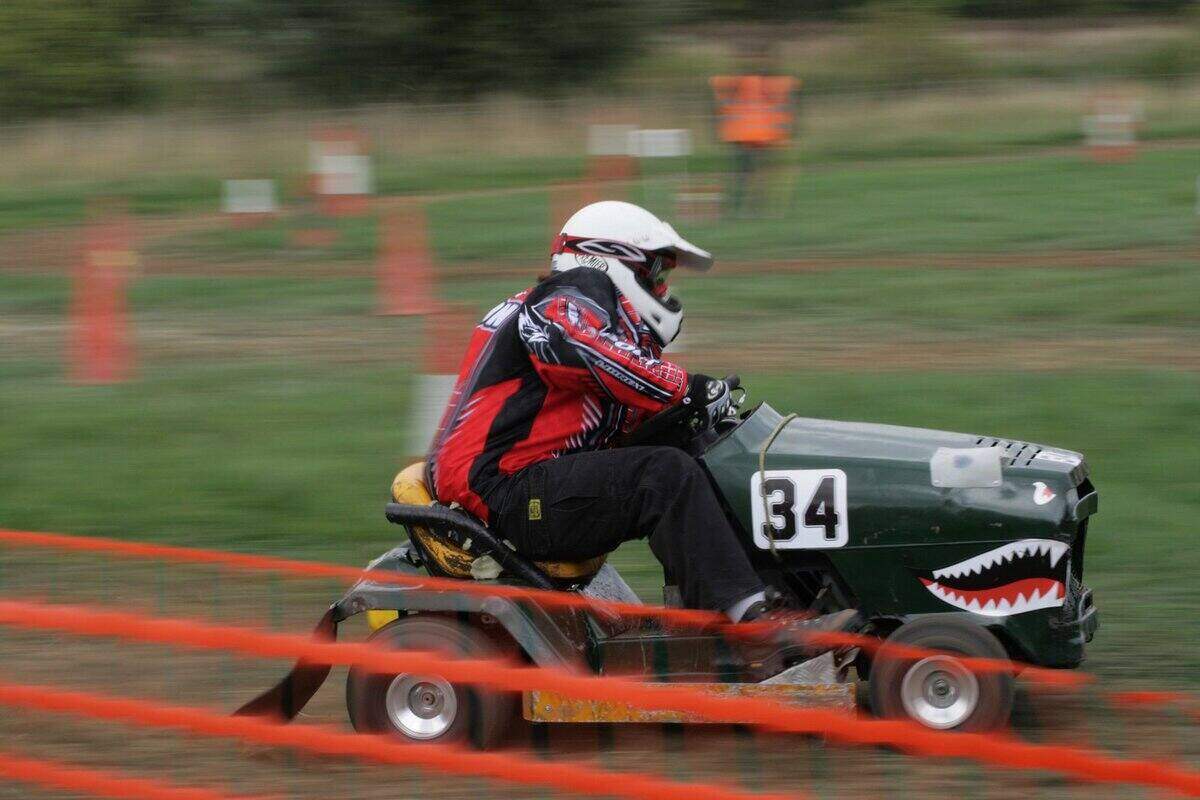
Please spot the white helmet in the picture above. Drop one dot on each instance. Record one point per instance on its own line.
(637, 250)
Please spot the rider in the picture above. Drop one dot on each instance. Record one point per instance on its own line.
(554, 375)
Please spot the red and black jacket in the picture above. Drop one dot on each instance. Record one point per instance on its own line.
(560, 368)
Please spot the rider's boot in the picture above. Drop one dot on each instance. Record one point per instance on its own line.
(778, 635)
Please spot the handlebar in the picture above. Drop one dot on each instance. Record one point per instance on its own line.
(679, 416)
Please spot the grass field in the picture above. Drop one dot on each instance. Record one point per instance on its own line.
(270, 411)
(1034, 209)
(936, 250)
(281, 459)
(270, 414)
(1032, 204)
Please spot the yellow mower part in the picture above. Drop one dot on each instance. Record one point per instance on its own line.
(409, 487)
(377, 619)
(543, 706)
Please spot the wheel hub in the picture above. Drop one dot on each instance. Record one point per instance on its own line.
(421, 706)
(939, 692)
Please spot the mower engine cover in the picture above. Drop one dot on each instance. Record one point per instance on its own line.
(908, 522)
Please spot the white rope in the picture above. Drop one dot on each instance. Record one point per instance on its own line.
(762, 479)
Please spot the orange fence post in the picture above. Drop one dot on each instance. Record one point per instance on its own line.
(612, 168)
(448, 333)
(609, 152)
(340, 172)
(405, 264)
(1110, 128)
(100, 349)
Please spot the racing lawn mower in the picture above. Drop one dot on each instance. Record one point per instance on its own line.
(951, 546)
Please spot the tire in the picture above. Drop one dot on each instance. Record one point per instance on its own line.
(902, 686)
(429, 708)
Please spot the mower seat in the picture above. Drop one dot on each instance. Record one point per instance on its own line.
(410, 487)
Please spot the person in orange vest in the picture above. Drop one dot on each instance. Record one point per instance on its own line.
(754, 115)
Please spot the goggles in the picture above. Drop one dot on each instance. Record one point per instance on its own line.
(660, 271)
(653, 267)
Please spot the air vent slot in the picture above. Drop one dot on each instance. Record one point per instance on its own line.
(1014, 453)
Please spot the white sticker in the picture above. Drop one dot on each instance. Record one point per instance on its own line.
(806, 509)
(1058, 458)
(1042, 493)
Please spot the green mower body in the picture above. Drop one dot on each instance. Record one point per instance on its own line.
(904, 522)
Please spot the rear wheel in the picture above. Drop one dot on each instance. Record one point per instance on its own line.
(428, 707)
(938, 689)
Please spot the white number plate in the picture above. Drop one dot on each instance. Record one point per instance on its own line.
(806, 509)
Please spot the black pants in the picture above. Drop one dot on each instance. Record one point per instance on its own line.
(583, 505)
(746, 161)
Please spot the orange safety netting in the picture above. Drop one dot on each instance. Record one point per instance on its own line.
(310, 569)
(564, 775)
(997, 750)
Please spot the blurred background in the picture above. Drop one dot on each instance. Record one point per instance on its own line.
(241, 239)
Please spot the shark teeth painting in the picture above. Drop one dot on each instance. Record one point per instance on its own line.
(1013, 578)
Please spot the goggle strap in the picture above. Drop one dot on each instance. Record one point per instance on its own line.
(655, 264)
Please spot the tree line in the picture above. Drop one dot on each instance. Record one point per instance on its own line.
(66, 55)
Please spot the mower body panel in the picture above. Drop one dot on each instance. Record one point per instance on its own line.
(1005, 552)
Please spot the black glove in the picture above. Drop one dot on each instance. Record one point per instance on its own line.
(708, 393)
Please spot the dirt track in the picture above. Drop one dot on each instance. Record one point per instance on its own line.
(56, 253)
(376, 340)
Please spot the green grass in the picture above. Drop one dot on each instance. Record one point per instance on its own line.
(283, 459)
(963, 300)
(1044, 307)
(867, 209)
(244, 456)
(1033, 204)
(356, 238)
(67, 204)
(30, 206)
(290, 451)
(979, 302)
(1019, 206)
(291, 454)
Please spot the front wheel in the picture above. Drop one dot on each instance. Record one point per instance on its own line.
(429, 708)
(938, 689)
